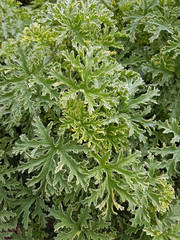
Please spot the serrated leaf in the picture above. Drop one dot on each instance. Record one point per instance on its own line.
(171, 128)
(169, 164)
(48, 157)
(77, 229)
(157, 24)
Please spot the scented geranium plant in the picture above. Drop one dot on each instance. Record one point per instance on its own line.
(89, 120)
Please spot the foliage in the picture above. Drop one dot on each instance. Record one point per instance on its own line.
(90, 120)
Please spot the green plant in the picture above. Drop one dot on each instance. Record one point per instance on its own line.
(90, 121)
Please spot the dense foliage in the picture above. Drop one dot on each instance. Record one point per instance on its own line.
(89, 120)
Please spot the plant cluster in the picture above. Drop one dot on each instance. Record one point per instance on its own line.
(89, 120)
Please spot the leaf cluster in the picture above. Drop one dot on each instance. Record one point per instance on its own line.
(89, 120)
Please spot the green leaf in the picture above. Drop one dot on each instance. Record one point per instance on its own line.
(82, 228)
(171, 163)
(156, 24)
(48, 157)
(160, 72)
(143, 99)
(171, 128)
(173, 46)
(26, 199)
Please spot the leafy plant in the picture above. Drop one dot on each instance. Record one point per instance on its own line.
(89, 120)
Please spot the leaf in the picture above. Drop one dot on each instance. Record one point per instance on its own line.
(171, 128)
(171, 163)
(156, 24)
(173, 46)
(137, 14)
(160, 72)
(48, 157)
(143, 99)
(81, 228)
(75, 169)
(25, 204)
(109, 186)
(6, 222)
(142, 216)
(91, 65)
